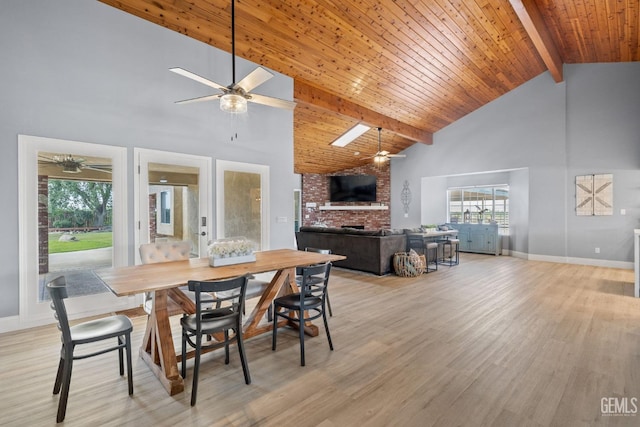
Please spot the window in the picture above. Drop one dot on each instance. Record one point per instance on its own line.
(479, 205)
(165, 207)
(242, 201)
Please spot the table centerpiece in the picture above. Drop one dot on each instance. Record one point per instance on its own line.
(234, 250)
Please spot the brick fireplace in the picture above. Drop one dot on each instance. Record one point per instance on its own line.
(315, 189)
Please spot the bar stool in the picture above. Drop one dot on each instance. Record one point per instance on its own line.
(431, 246)
(450, 246)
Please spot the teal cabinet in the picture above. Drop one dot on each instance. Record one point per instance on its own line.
(479, 238)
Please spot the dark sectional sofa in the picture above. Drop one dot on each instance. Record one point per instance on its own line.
(366, 250)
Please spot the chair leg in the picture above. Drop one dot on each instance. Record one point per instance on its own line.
(326, 328)
(121, 356)
(329, 304)
(243, 356)
(275, 330)
(58, 383)
(301, 331)
(226, 347)
(196, 369)
(129, 367)
(66, 383)
(183, 363)
(270, 313)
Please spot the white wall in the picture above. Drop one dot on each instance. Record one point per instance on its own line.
(519, 212)
(587, 124)
(84, 71)
(433, 203)
(603, 136)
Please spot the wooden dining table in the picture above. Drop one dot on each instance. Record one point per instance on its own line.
(164, 280)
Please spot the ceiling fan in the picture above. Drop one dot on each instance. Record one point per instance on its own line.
(70, 164)
(382, 155)
(233, 98)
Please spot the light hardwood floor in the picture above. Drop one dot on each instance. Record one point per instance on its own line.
(495, 341)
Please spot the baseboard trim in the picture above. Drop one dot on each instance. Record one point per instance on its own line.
(581, 261)
(13, 323)
(521, 255)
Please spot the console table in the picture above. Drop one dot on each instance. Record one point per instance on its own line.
(479, 238)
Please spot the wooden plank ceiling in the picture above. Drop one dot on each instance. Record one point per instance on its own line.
(409, 66)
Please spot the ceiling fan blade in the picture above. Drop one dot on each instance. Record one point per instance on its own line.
(253, 79)
(396, 155)
(197, 78)
(96, 169)
(199, 99)
(272, 102)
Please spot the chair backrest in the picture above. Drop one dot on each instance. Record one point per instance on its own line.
(152, 253)
(317, 250)
(58, 291)
(310, 286)
(223, 292)
(415, 242)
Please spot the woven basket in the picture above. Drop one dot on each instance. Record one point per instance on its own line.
(407, 266)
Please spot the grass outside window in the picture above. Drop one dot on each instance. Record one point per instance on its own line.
(82, 242)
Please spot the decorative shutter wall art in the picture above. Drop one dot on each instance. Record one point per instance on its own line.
(594, 194)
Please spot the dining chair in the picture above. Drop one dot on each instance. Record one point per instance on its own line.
(119, 327)
(318, 279)
(255, 289)
(225, 315)
(158, 252)
(306, 305)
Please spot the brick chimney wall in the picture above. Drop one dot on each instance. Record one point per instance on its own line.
(315, 189)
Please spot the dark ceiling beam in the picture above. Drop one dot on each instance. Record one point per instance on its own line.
(304, 93)
(533, 23)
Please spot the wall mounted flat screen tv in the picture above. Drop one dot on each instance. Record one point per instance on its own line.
(352, 188)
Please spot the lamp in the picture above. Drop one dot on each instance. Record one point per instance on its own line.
(233, 103)
(350, 135)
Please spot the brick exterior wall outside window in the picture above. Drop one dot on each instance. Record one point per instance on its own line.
(315, 189)
(43, 224)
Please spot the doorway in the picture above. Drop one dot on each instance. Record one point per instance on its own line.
(72, 221)
(173, 199)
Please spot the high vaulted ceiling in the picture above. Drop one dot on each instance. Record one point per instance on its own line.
(409, 66)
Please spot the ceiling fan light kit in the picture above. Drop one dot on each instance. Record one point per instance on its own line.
(71, 169)
(380, 158)
(382, 155)
(69, 164)
(232, 103)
